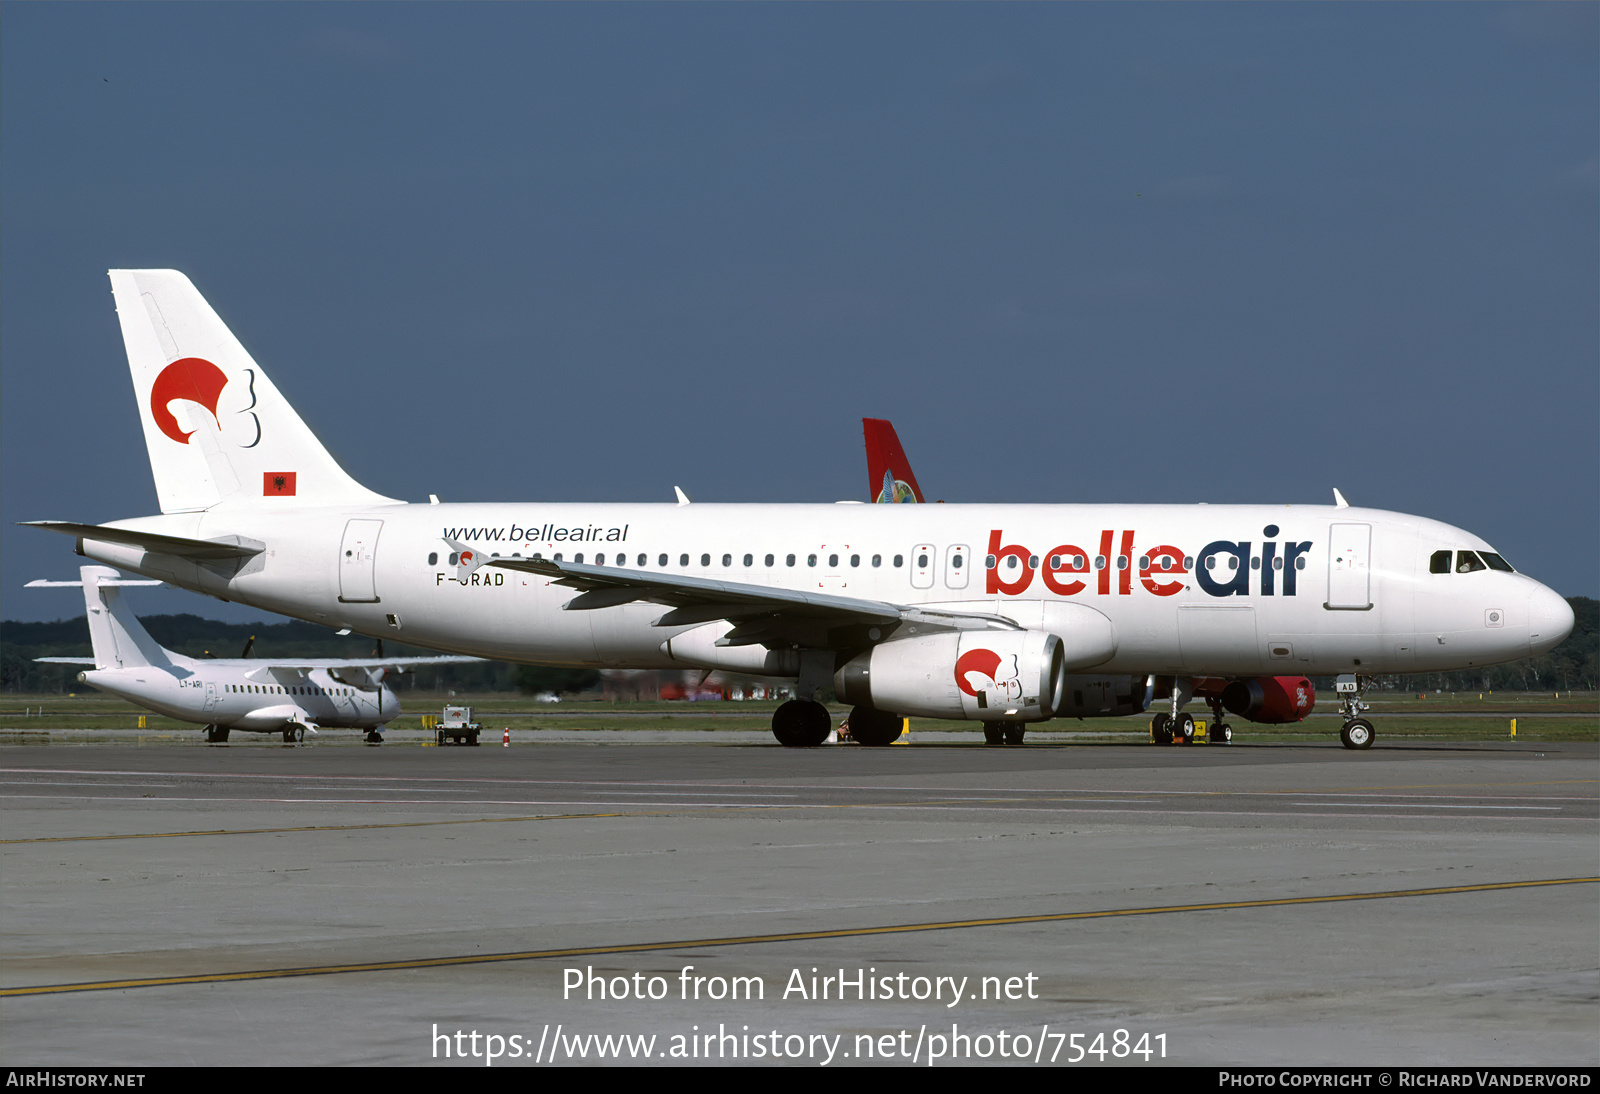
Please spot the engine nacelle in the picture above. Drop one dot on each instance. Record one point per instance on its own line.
(1272, 700)
(991, 676)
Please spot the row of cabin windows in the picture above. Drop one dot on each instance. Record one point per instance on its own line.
(1466, 562)
(262, 689)
(664, 559)
(1072, 563)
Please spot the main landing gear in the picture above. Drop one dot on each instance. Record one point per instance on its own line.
(294, 733)
(1357, 731)
(804, 723)
(373, 737)
(1219, 732)
(1003, 733)
(871, 726)
(216, 735)
(1170, 728)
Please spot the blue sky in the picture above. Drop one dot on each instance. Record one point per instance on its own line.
(1084, 252)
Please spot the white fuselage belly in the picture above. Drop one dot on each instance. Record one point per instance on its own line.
(1308, 604)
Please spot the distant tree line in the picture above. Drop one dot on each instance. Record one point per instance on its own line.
(1572, 666)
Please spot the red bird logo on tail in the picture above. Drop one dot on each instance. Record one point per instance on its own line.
(191, 378)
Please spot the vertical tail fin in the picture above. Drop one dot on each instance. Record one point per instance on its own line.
(216, 429)
(888, 471)
(120, 640)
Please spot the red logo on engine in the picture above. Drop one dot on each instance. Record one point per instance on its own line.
(191, 378)
(982, 661)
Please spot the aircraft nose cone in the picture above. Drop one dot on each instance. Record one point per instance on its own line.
(1550, 620)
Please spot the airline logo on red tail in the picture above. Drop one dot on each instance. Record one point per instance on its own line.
(191, 378)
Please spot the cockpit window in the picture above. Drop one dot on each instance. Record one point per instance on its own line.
(1496, 562)
(1466, 562)
(1438, 562)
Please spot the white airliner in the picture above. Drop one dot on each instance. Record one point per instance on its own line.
(289, 696)
(1003, 614)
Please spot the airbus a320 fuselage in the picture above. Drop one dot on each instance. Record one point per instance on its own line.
(1003, 614)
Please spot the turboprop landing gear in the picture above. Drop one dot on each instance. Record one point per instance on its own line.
(373, 737)
(1357, 731)
(803, 723)
(1014, 732)
(216, 735)
(294, 734)
(870, 726)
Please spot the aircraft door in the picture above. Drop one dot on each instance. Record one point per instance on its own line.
(1349, 567)
(955, 566)
(922, 566)
(358, 554)
(211, 695)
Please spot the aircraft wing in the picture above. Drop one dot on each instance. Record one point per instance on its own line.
(759, 612)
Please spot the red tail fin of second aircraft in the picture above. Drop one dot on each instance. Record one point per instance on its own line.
(888, 470)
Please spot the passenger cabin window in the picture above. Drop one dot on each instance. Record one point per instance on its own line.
(898, 561)
(769, 560)
(433, 558)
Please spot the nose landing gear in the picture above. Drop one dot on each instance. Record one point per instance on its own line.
(1357, 732)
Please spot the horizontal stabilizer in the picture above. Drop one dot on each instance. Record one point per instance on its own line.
(44, 583)
(150, 541)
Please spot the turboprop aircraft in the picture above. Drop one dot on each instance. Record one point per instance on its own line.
(292, 697)
(1001, 614)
